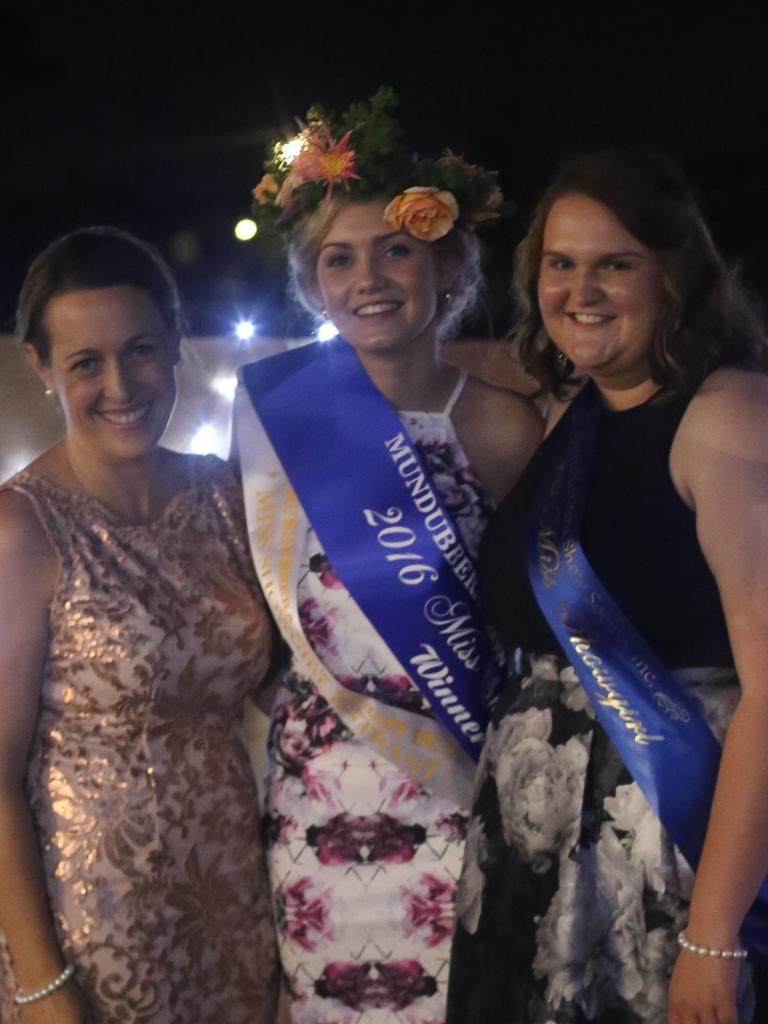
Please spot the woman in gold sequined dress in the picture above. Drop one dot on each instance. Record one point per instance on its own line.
(132, 882)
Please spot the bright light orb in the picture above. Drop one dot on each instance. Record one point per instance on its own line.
(245, 229)
(326, 331)
(245, 329)
(204, 440)
(291, 149)
(225, 386)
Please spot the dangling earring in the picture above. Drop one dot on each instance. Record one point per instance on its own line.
(563, 364)
(324, 313)
(447, 297)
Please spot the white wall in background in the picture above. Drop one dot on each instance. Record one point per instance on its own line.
(30, 421)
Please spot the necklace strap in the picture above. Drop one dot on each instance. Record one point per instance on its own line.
(456, 393)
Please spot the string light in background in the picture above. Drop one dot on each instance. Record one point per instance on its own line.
(291, 149)
(246, 229)
(245, 329)
(225, 386)
(205, 440)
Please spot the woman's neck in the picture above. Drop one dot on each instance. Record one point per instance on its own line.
(412, 379)
(620, 399)
(137, 489)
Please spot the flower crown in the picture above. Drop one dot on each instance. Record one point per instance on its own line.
(361, 154)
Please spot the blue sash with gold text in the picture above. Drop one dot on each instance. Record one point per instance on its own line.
(371, 502)
(657, 729)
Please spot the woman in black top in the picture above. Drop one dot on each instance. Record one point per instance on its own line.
(573, 896)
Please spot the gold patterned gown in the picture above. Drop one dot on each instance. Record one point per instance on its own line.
(138, 779)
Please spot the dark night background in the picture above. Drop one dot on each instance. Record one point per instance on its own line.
(156, 118)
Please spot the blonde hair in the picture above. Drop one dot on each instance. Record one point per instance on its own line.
(460, 245)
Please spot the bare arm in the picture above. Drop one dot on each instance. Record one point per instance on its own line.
(28, 571)
(719, 463)
(499, 430)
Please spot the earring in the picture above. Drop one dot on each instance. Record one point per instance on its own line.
(324, 313)
(48, 392)
(447, 297)
(563, 364)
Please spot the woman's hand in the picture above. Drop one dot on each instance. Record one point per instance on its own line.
(65, 1006)
(703, 990)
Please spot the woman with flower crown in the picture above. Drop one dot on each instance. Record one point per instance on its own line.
(369, 468)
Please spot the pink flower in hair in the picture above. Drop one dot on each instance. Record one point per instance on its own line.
(322, 159)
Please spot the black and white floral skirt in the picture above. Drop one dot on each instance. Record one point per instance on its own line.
(572, 895)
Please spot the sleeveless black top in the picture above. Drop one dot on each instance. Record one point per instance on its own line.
(637, 533)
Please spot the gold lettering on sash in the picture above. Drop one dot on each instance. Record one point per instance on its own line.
(612, 696)
(549, 556)
(570, 548)
(548, 542)
(644, 669)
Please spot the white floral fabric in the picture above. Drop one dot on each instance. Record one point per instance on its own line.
(572, 895)
(364, 861)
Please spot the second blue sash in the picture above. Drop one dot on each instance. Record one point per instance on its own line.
(369, 498)
(657, 729)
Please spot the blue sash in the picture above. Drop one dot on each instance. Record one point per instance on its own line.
(371, 502)
(657, 729)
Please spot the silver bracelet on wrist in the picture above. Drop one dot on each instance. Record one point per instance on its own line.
(31, 997)
(726, 954)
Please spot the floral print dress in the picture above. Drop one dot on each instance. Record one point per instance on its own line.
(364, 860)
(572, 894)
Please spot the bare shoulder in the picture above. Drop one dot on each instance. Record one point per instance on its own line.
(26, 553)
(212, 467)
(177, 466)
(728, 412)
(20, 529)
(723, 434)
(28, 570)
(500, 430)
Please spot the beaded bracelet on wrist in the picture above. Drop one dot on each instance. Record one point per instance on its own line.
(21, 999)
(726, 954)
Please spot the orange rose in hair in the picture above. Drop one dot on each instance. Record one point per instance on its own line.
(424, 212)
(266, 190)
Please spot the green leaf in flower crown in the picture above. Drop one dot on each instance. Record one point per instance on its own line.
(360, 154)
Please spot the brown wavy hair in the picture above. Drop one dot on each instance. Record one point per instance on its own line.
(94, 257)
(706, 319)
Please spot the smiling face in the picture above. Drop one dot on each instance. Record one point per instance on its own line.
(111, 364)
(379, 287)
(600, 292)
